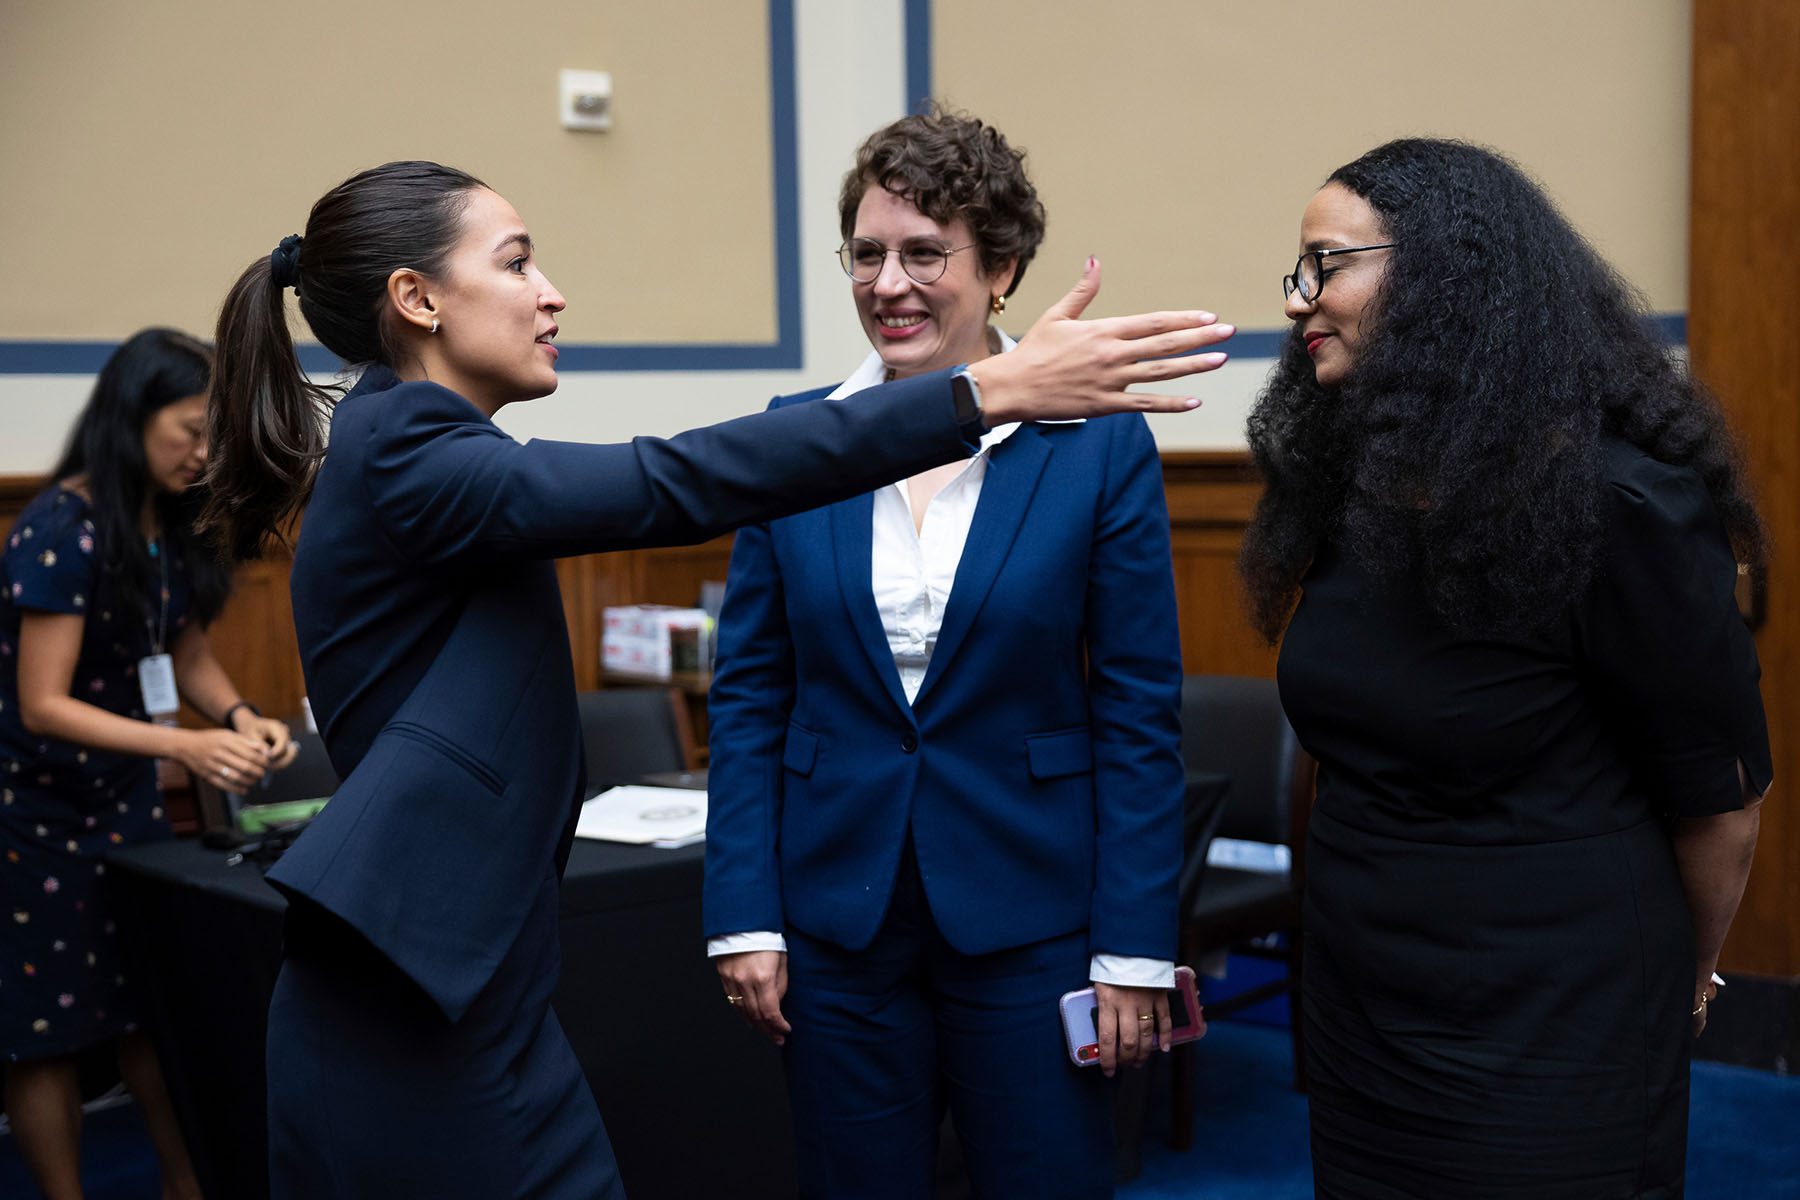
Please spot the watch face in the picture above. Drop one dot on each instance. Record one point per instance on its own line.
(968, 397)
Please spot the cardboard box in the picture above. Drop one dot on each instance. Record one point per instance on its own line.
(654, 639)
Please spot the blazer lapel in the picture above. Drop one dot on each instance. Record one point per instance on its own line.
(852, 543)
(1013, 469)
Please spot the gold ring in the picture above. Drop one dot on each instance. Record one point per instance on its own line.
(734, 999)
(1146, 1016)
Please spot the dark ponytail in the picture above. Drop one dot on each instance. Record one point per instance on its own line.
(266, 421)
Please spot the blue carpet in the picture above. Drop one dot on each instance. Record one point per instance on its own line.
(1249, 1140)
(1250, 1132)
(1743, 1134)
(117, 1162)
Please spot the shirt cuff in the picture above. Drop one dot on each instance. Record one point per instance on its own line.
(1123, 971)
(743, 943)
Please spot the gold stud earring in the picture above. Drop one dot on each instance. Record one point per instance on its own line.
(997, 305)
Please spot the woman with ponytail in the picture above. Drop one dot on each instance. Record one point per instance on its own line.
(105, 596)
(412, 1048)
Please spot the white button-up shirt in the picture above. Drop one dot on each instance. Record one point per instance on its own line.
(912, 568)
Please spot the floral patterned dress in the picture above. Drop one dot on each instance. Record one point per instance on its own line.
(62, 806)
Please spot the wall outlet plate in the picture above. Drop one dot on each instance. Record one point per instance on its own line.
(586, 99)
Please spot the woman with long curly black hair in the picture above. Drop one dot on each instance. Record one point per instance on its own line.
(1501, 534)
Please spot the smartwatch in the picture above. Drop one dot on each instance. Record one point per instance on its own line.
(967, 394)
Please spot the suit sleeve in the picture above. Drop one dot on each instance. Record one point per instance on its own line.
(752, 696)
(1134, 701)
(449, 486)
(1664, 643)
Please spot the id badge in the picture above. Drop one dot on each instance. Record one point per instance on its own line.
(156, 676)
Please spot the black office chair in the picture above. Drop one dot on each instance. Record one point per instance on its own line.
(630, 733)
(1235, 726)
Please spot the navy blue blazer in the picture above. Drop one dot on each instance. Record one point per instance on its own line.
(1038, 771)
(436, 657)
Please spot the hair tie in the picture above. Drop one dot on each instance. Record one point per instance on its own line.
(284, 262)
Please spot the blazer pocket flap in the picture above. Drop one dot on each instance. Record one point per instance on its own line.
(1070, 752)
(802, 750)
(424, 857)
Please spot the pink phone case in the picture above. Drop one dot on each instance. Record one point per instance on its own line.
(1081, 1026)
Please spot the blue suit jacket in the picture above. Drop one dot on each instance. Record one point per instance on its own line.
(1039, 769)
(437, 661)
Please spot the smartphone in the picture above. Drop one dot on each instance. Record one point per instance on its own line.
(1081, 1018)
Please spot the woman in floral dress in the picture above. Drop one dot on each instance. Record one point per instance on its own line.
(104, 600)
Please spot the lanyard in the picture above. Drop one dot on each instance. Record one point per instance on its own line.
(159, 633)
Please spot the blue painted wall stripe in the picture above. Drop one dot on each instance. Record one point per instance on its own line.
(784, 145)
(787, 351)
(1246, 343)
(784, 353)
(86, 358)
(918, 54)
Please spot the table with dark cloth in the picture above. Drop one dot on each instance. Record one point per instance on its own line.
(694, 1102)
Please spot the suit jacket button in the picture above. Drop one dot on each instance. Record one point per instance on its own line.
(909, 741)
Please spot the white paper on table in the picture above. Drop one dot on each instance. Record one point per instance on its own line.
(1267, 858)
(644, 816)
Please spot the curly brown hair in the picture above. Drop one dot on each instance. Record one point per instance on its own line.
(948, 165)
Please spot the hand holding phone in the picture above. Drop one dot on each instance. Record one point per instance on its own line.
(1081, 1018)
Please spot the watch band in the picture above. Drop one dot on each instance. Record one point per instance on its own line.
(225, 721)
(967, 394)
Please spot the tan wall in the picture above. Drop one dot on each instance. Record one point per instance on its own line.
(151, 149)
(1181, 140)
(1165, 133)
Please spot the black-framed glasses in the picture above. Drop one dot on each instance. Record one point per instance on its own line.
(923, 259)
(1309, 271)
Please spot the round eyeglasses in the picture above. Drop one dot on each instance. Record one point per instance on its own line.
(923, 260)
(1309, 272)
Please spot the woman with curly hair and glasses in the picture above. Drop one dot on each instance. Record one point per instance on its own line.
(945, 783)
(1499, 542)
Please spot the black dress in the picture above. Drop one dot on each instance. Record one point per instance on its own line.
(1499, 957)
(62, 807)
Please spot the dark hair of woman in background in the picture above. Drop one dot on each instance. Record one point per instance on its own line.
(412, 1046)
(105, 582)
(153, 368)
(1500, 543)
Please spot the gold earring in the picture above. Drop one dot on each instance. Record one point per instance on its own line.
(434, 324)
(997, 305)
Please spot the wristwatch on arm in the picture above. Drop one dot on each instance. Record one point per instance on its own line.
(969, 416)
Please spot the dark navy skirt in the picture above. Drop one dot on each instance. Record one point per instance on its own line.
(373, 1094)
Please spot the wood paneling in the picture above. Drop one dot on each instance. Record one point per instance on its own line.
(1746, 207)
(1210, 498)
(1210, 494)
(254, 638)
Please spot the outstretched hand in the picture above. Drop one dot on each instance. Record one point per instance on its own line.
(1066, 367)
